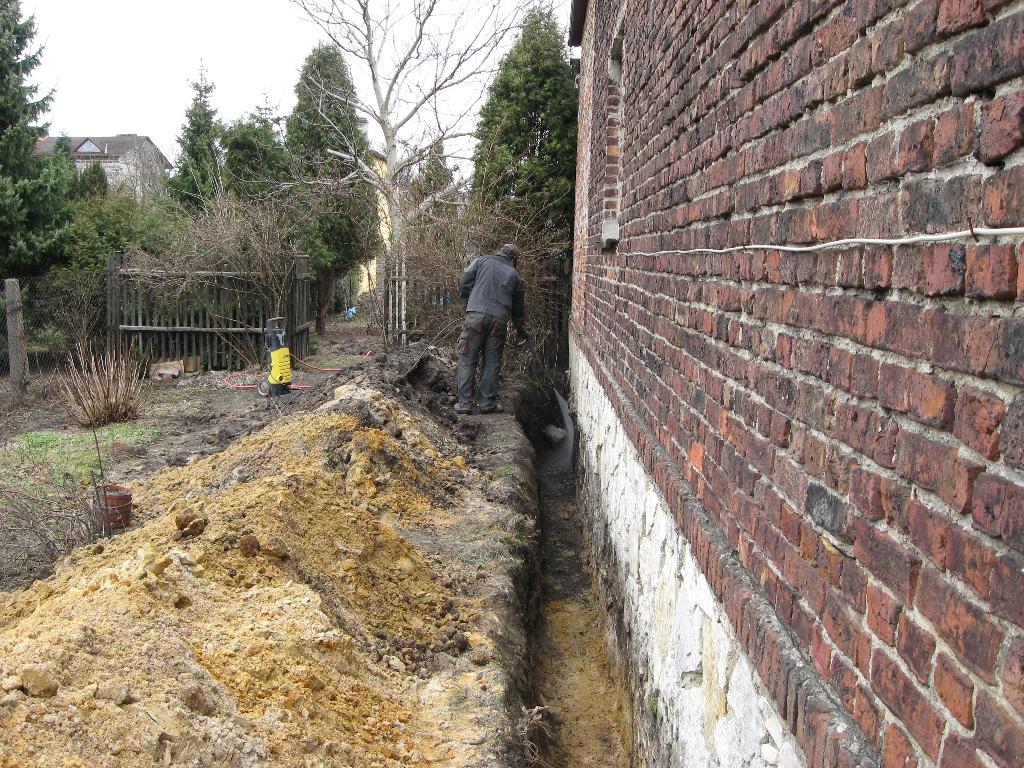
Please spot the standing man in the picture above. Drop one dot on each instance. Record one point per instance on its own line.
(493, 292)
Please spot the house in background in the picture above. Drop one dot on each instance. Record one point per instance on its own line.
(373, 271)
(132, 163)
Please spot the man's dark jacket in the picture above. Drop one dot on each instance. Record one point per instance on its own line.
(491, 285)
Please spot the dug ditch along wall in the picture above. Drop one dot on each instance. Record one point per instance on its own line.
(850, 418)
(697, 700)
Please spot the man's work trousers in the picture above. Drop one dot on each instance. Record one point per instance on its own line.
(481, 334)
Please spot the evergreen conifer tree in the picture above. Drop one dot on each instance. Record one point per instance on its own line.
(33, 191)
(255, 158)
(433, 178)
(344, 232)
(197, 178)
(526, 156)
(91, 182)
(433, 191)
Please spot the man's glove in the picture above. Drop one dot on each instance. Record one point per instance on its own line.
(523, 340)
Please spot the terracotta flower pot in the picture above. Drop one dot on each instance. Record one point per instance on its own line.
(115, 510)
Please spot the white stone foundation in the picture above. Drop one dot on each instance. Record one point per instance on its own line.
(698, 702)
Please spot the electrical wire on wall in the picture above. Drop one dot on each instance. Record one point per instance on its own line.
(973, 233)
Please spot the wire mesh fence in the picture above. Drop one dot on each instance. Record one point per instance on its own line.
(58, 310)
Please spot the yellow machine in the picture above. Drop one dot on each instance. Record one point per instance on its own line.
(280, 377)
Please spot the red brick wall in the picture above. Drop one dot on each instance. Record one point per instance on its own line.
(851, 421)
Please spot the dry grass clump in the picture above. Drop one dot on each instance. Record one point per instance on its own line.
(99, 388)
(536, 735)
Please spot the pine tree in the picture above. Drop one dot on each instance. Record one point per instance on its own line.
(197, 178)
(345, 231)
(255, 158)
(91, 182)
(433, 179)
(526, 156)
(33, 191)
(324, 117)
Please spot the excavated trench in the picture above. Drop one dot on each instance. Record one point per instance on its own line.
(579, 686)
(369, 597)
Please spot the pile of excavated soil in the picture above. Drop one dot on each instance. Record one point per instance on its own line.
(291, 623)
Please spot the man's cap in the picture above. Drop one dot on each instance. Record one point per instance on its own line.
(509, 251)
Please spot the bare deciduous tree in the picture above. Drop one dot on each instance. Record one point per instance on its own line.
(425, 64)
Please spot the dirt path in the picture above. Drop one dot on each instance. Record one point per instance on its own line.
(577, 682)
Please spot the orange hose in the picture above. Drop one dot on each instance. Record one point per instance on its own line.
(228, 382)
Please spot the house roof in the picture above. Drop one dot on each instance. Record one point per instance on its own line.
(579, 15)
(110, 147)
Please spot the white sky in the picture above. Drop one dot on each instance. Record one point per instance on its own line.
(124, 66)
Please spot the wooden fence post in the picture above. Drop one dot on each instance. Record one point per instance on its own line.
(17, 354)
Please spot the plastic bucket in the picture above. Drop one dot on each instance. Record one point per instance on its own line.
(115, 510)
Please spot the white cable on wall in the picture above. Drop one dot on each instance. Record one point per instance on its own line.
(936, 238)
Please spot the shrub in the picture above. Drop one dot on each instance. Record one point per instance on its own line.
(100, 388)
(103, 224)
(43, 516)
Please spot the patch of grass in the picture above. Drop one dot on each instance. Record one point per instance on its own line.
(506, 471)
(74, 452)
(486, 545)
(652, 704)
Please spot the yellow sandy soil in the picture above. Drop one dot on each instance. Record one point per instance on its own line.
(185, 651)
(579, 688)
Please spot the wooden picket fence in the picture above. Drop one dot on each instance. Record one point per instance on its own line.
(218, 325)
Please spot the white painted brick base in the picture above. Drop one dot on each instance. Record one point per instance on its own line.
(698, 701)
